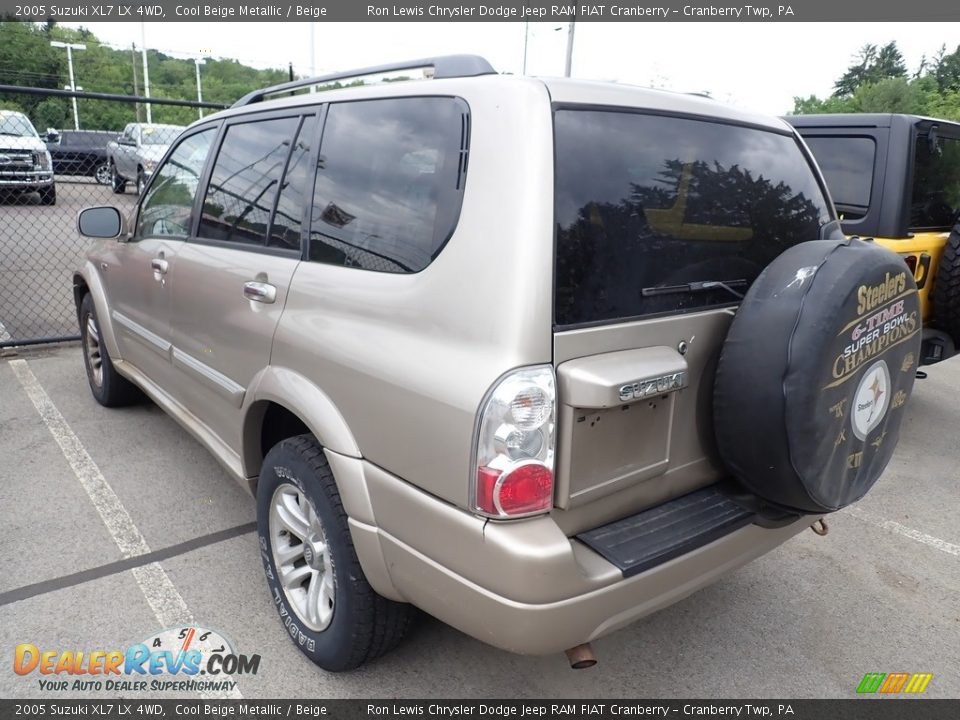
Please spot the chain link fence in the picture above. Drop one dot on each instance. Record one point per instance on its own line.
(47, 175)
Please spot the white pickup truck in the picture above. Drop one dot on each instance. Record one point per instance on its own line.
(25, 164)
(135, 153)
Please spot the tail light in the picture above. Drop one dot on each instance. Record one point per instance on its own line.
(516, 435)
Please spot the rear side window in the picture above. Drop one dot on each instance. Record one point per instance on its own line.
(847, 164)
(389, 182)
(288, 219)
(244, 181)
(936, 184)
(646, 204)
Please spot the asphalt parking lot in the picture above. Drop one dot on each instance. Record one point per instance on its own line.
(878, 594)
(39, 250)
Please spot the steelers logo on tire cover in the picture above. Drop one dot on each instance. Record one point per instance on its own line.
(815, 372)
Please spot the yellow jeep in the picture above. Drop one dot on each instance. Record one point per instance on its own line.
(896, 178)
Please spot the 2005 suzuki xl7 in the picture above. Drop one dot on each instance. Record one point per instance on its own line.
(538, 357)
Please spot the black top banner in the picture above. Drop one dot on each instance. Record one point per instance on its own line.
(478, 11)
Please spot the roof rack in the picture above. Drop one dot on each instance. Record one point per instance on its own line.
(447, 66)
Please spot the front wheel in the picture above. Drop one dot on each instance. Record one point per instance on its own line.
(141, 182)
(116, 182)
(48, 195)
(109, 388)
(316, 583)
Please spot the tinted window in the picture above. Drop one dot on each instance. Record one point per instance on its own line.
(244, 181)
(389, 182)
(85, 139)
(645, 202)
(847, 165)
(166, 207)
(936, 184)
(288, 219)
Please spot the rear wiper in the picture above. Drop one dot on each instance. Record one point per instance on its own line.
(699, 286)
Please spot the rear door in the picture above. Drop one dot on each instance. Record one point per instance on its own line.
(646, 205)
(232, 279)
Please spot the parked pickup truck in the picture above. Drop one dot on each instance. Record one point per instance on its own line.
(25, 164)
(80, 153)
(137, 151)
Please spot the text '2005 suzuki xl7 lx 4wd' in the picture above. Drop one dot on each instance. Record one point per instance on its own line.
(538, 357)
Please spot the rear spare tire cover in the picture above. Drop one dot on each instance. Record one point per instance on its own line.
(814, 374)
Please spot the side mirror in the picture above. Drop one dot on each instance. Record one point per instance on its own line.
(52, 136)
(101, 222)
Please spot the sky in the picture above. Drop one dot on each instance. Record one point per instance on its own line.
(756, 66)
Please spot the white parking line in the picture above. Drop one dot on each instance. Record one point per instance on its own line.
(908, 532)
(163, 597)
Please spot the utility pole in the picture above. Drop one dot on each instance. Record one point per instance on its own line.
(73, 85)
(526, 42)
(313, 54)
(197, 63)
(566, 72)
(136, 85)
(146, 70)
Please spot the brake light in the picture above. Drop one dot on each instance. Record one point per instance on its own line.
(515, 445)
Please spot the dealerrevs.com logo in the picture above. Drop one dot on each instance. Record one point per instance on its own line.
(193, 659)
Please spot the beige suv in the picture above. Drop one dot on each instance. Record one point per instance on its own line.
(538, 357)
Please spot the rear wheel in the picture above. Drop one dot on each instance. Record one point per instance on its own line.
(109, 388)
(102, 174)
(316, 583)
(946, 291)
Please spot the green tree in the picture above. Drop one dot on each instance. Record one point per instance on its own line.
(946, 69)
(872, 66)
(50, 113)
(28, 60)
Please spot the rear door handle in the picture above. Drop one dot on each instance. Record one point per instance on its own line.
(159, 266)
(260, 292)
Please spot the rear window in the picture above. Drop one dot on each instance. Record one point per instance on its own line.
(847, 166)
(936, 184)
(647, 202)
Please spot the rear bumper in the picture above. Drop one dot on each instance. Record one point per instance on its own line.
(521, 586)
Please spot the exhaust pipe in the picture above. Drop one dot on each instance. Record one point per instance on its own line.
(581, 657)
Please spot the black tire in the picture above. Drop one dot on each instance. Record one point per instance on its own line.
(814, 375)
(141, 182)
(48, 195)
(109, 388)
(363, 625)
(946, 290)
(118, 184)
